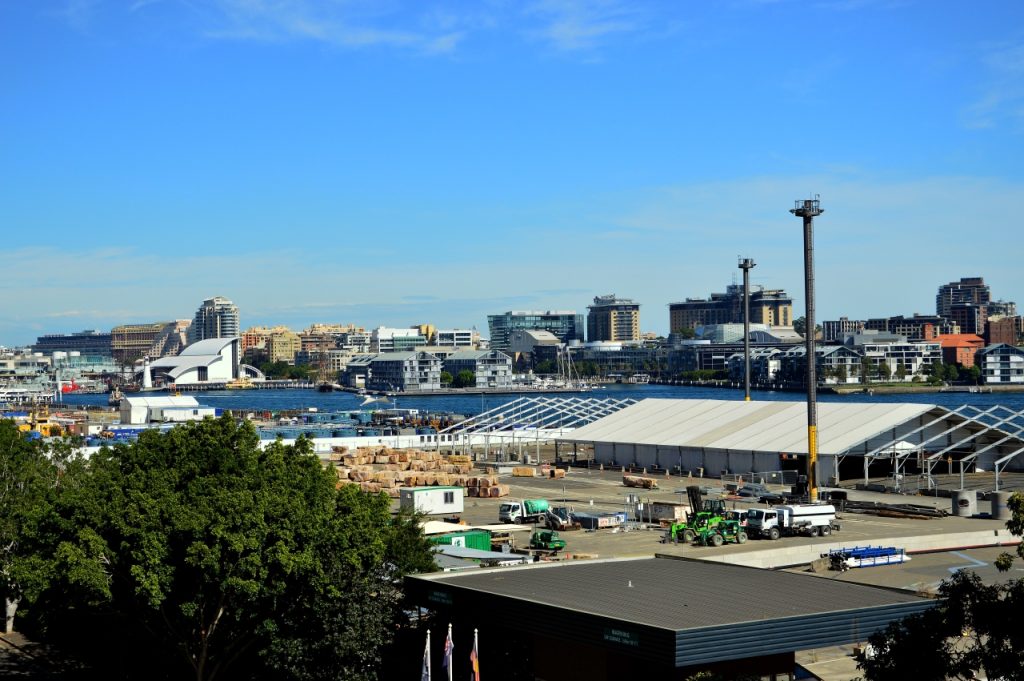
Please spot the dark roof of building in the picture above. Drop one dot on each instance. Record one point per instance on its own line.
(677, 594)
(669, 611)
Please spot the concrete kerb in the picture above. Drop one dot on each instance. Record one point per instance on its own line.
(790, 556)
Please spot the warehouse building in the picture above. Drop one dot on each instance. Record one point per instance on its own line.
(654, 618)
(712, 437)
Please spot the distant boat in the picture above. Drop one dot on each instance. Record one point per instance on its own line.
(640, 379)
(370, 399)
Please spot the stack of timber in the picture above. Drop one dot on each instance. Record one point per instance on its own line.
(381, 469)
(486, 486)
(637, 481)
(524, 472)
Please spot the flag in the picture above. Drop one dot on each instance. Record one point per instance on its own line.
(449, 647)
(474, 660)
(425, 671)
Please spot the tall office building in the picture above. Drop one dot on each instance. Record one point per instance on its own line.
(217, 317)
(565, 325)
(767, 306)
(613, 319)
(969, 290)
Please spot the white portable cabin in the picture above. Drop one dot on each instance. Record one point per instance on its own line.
(432, 500)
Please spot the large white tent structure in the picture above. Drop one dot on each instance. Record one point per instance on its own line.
(728, 436)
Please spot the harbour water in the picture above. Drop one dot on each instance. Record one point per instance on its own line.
(279, 400)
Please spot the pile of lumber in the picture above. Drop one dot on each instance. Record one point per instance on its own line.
(637, 481)
(486, 486)
(382, 469)
(524, 472)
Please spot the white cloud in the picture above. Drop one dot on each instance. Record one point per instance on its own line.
(1001, 98)
(573, 25)
(352, 25)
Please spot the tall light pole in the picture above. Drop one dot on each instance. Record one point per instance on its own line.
(746, 264)
(808, 209)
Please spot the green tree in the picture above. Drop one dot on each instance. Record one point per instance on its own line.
(544, 367)
(225, 559)
(952, 372)
(901, 371)
(33, 477)
(866, 370)
(841, 375)
(883, 371)
(687, 332)
(446, 378)
(974, 629)
(464, 379)
(974, 373)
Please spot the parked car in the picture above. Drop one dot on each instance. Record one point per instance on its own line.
(753, 490)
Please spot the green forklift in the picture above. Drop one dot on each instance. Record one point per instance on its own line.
(720, 533)
(704, 513)
(546, 540)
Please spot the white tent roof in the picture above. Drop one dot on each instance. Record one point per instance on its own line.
(746, 426)
(161, 402)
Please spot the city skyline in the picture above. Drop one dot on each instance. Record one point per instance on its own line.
(384, 165)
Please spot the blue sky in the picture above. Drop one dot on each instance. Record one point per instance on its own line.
(386, 162)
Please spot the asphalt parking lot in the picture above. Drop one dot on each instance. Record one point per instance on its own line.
(603, 491)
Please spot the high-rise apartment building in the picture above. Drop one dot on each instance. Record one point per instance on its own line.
(217, 317)
(565, 325)
(970, 290)
(767, 306)
(613, 319)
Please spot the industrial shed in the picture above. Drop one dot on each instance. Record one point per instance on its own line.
(654, 618)
(854, 438)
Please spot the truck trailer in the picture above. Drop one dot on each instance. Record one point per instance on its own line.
(809, 519)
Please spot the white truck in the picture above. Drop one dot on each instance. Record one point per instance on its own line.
(809, 519)
(524, 511)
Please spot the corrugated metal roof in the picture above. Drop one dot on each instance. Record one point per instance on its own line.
(747, 426)
(676, 595)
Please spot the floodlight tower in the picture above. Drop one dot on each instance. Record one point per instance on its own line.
(746, 264)
(808, 209)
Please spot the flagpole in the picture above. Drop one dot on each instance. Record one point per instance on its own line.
(429, 671)
(476, 657)
(450, 662)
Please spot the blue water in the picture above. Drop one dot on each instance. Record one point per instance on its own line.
(278, 400)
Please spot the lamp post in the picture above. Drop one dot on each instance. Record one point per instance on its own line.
(808, 209)
(746, 264)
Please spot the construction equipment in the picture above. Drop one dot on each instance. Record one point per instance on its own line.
(703, 513)
(546, 540)
(561, 518)
(720, 533)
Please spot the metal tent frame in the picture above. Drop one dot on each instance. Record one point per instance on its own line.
(530, 420)
(989, 420)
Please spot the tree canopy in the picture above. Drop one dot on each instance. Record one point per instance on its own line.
(973, 631)
(213, 557)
